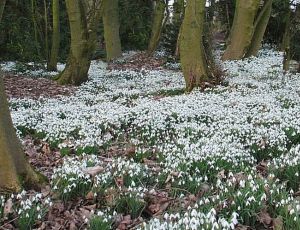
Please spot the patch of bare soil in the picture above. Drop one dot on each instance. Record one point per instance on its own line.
(25, 87)
(137, 62)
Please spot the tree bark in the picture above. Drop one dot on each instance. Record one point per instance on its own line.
(178, 17)
(157, 25)
(46, 31)
(111, 29)
(2, 5)
(260, 28)
(192, 54)
(78, 64)
(52, 64)
(242, 29)
(14, 170)
(95, 12)
(178, 9)
(286, 43)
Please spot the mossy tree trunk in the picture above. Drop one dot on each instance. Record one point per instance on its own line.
(14, 169)
(157, 25)
(192, 54)
(242, 29)
(111, 29)
(52, 64)
(259, 28)
(76, 71)
(2, 5)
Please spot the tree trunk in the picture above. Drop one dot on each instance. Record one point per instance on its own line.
(286, 43)
(78, 64)
(242, 29)
(178, 17)
(192, 54)
(2, 5)
(157, 25)
(111, 29)
(177, 49)
(46, 31)
(52, 64)
(178, 9)
(14, 170)
(95, 12)
(260, 28)
(35, 26)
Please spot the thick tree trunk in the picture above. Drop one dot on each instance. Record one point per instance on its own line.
(260, 28)
(2, 5)
(14, 170)
(111, 29)
(242, 29)
(192, 54)
(157, 25)
(78, 64)
(52, 64)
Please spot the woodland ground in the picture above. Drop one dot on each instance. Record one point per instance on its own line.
(130, 150)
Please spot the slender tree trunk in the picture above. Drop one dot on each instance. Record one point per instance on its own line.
(35, 26)
(78, 64)
(111, 29)
(286, 43)
(96, 12)
(46, 32)
(178, 9)
(2, 5)
(157, 25)
(52, 64)
(211, 11)
(242, 29)
(260, 28)
(192, 54)
(178, 17)
(177, 50)
(14, 170)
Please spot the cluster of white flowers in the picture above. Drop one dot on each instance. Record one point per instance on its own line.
(30, 69)
(192, 219)
(74, 175)
(32, 206)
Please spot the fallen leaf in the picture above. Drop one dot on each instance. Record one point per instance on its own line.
(265, 218)
(119, 181)
(72, 226)
(221, 174)
(93, 171)
(241, 227)
(277, 223)
(130, 151)
(46, 149)
(8, 207)
(90, 196)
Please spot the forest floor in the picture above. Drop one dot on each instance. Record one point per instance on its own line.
(130, 150)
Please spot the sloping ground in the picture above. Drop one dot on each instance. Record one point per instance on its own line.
(139, 154)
